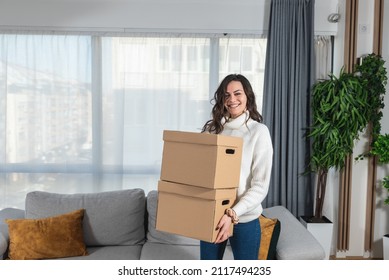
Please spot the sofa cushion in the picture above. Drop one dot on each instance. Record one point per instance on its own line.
(47, 238)
(292, 234)
(111, 218)
(124, 252)
(154, 235)
(7, 213)
(11, 213)
(3, 240)
(158, 251)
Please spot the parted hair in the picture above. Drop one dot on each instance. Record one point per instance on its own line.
(219, 111)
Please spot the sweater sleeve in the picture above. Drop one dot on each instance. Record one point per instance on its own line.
(261, 166)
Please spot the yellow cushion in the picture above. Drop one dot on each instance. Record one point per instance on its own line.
(54, 237)
(270, 231)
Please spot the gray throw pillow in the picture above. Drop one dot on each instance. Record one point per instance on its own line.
(111, 218)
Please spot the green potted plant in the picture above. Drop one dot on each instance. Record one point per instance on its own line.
(380, 149)
(343, 107)
(339, 113)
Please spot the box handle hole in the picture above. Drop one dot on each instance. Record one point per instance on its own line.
(230, 151)
(225, 202)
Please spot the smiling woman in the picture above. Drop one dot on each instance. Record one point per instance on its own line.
(235, 114)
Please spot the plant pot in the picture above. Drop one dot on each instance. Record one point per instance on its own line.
(322, 230)
(385, 241)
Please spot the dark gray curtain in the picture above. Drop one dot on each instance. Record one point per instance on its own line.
(289, 75)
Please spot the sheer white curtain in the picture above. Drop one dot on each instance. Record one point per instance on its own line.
(323, 51)
(45, 89)
(86, 113)
(151, 84)
(44, 113)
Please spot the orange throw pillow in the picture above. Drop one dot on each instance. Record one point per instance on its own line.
(53, 237)
(270, 231)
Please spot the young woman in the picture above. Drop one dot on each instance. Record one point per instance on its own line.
(235, 114)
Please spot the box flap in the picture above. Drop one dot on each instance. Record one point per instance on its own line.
(202, 138)
(198, 192)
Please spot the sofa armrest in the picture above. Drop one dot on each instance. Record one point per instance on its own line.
(295, 241)
(7, 213)
(4, 239)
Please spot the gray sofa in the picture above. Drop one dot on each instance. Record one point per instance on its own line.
(120, 225)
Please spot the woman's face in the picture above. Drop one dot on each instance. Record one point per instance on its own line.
(235, 99)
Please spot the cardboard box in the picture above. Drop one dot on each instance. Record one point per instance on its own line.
(192, 211)
(201, 159)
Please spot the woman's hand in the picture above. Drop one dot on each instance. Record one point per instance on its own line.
(224, 229)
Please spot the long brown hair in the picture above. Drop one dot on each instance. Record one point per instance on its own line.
(219, 111)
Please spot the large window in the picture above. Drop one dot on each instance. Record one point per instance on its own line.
(86, 113)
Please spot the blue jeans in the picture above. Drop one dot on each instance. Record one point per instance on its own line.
(244, 242)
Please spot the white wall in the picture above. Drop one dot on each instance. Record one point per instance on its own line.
(225, 16)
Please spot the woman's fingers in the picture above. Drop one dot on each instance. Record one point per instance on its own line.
(224, 229)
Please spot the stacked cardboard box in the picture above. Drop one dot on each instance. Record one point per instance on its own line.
(199, 179)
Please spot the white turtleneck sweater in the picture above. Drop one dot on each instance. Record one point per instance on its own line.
(257, 159)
